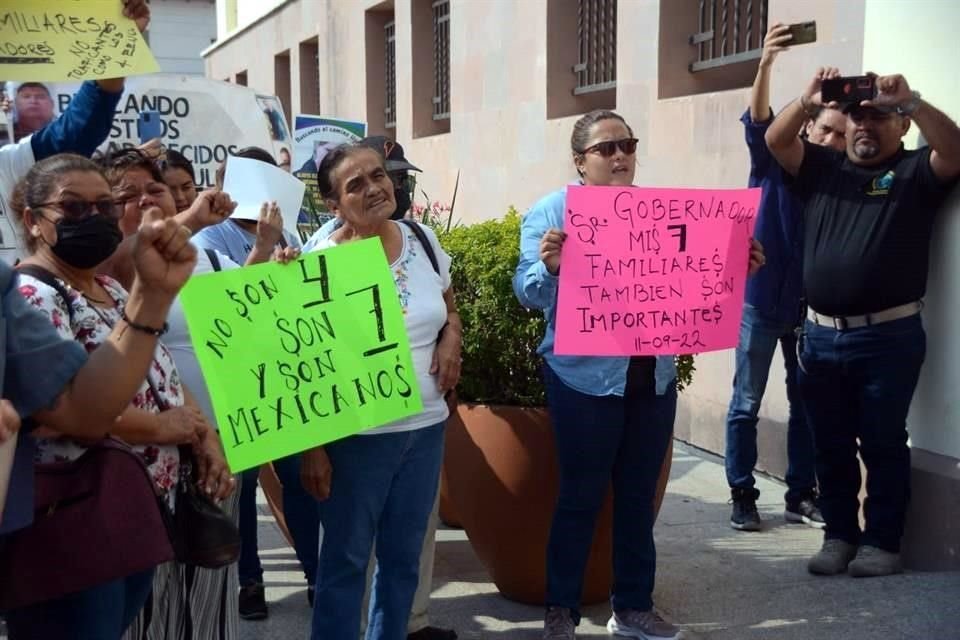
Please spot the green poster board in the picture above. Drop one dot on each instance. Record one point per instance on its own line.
(298, 355)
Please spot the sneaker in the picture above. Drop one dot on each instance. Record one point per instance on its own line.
(433, 633)
(646, 625)
(873, 561)
(745, 516)
(833, 558)
(558, 624)
(253, 603)
(805, 511)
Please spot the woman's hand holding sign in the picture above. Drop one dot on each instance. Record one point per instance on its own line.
(316, 473)
(550, 247)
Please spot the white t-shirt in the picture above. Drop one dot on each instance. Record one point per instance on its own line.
(424, 313)
(15, 160)
(177, 340)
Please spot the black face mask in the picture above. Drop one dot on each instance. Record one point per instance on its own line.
(402, 196)
(86, 243)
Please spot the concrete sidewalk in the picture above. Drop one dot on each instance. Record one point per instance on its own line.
(718, 584)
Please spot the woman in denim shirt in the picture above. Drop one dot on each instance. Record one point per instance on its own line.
(612, 416)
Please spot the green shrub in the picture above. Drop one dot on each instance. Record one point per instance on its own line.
(500, 336)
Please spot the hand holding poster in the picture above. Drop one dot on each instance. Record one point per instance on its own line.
(299, 355)
(653, 271)
(52, 40)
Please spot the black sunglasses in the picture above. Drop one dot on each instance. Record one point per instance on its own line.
(609, 147)
(80, 209)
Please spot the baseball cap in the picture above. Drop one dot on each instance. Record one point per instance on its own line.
(851, 107)
(391, 151)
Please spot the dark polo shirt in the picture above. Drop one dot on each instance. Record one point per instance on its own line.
(867, 229)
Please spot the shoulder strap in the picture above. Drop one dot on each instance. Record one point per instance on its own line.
(50, 280)
(422, 237)
(214, 259)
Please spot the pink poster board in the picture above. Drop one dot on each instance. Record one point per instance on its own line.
(653, 271)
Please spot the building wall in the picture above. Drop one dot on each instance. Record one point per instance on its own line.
(924, 29)
(179, 31)
(508, 152)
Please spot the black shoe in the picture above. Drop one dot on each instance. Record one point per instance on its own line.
(433, 633)
(311, 591)
(805, 511)
(745, 516)
(253, 603)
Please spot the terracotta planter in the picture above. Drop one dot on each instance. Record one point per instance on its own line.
(448, 509)
(501, 473)
(448, 513)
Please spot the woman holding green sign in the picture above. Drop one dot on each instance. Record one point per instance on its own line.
(379, 486)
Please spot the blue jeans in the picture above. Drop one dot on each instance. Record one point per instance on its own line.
(857, 384)
(599, 439)
(100, 613)
(383, 490)
(299, 510)
(759, 336)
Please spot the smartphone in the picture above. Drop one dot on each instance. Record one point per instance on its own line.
(149, 126)
(803, 32)
(849, 89)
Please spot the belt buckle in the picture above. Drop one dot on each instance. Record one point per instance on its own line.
(840, 323)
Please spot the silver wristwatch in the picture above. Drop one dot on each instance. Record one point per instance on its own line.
(911, 105)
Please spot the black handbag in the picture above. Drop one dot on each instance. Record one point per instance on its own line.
(201, 534)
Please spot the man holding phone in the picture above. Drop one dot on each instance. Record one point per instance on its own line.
(869, 217)
(772, 305)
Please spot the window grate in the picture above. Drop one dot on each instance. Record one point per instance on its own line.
(441, 59)
(390, 75)
(730, 31)
(597, 35)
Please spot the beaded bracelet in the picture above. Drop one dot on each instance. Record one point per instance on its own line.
(142, 327)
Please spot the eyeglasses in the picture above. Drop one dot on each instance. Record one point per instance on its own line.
(609, 147)
(80, 209)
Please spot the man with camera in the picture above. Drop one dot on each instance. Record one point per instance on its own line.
(771, 308)
(868, 219)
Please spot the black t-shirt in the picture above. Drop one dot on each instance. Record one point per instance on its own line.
(867, 238)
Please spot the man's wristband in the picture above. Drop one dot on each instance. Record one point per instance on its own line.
(911, 105)
(142, 327)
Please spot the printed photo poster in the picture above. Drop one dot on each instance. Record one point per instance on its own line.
(313, 137)
(273, 111)
(31, 108)
(203, 119)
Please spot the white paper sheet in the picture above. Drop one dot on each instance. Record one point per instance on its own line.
(250, 183)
